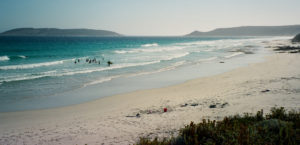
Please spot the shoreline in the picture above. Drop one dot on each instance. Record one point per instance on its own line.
(175, 74)
(104, 120)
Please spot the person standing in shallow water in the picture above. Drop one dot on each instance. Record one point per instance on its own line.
(109, 63)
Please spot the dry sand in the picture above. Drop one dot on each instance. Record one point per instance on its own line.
(104, 120)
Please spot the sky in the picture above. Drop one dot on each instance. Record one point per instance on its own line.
(147, 17)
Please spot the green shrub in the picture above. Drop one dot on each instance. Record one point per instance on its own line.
(278, 127)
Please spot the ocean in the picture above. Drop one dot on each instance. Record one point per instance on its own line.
(47, 72)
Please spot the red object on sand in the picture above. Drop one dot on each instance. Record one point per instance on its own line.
(165, 109)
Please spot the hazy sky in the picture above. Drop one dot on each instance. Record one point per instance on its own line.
(147, 17)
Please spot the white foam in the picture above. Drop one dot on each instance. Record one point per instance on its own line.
(119, 66)
(208, 59)
(173, 66)
(28, 76)
(28, 66)
(234, 54)
(4, 58)
(176, 56)
(102, 80)
(208, 50)
(21, 78)
(120, 51)
(202, 43)
(158, 49)
(22, 56)
(150, 45)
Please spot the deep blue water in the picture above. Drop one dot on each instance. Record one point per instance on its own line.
(41, 67)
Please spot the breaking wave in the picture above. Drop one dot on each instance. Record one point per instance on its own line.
(4, 58)
(208, 59)
(234, 54)
(28, 66)
(102, 80)
(150, 45)
(160, 49)
(176, 56)
(22, 56)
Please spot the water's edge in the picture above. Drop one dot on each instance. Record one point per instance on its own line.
(140, 82)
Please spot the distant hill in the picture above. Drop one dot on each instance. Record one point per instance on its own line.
(58, 32)
(251, 31)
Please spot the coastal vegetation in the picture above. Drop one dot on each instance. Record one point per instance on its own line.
(290, 49)
(277, 127)
(296, 38)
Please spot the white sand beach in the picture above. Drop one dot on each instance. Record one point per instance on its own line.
(274, 82)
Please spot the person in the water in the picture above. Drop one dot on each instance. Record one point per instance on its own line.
(109, 63)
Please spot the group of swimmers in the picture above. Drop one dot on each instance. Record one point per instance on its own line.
(93, 61)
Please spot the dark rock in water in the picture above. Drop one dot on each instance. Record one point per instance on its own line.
(296, 38)
(248, 52)
(212, 106)
(138, 115)
(224, 104)
(194, 104)
(264, 91)
(290, 49)
(222, 62)
(296, 51)
(184, 105)
(249, 46)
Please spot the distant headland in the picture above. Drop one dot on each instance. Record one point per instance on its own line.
(59, 32)
(288, 30)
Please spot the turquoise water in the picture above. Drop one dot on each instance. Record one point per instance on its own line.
(35, 71)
